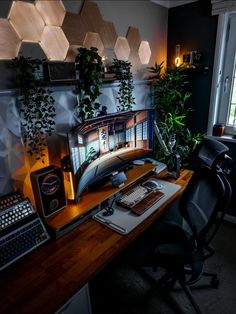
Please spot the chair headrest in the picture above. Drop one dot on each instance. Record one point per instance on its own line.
(213, 155)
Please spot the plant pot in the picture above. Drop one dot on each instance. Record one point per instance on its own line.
(218, 130)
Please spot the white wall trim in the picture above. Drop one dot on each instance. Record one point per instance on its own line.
(217, 71)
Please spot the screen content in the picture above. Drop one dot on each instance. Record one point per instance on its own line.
(109, 143)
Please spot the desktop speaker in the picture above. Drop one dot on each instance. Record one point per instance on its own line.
(49, 191)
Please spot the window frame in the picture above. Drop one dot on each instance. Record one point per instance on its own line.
(222, 76)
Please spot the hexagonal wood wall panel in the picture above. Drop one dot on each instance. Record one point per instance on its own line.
(144, 52)
(31, 22)
(134, 38)
(74, 28)
(9, 41)
(122, 49)
(53, 12)
(108, 34)
(93, 40)
(91, 13)
(26, 20)
(54, 43)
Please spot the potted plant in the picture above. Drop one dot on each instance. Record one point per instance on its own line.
(125, 77)
(89, 66)
(37, 106)
(171, 105)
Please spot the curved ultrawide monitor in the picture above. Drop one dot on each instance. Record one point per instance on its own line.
(106, 144)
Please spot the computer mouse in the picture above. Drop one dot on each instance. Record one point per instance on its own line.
(153, 184)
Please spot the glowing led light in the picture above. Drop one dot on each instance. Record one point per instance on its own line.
(177, 61)
(177, 58)
(122, 49)
(144, 52)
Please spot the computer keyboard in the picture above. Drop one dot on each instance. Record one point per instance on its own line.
(10, 199)
(21, 231)
(15, 213)
(140, 197)
(134, 196)
(21, 241)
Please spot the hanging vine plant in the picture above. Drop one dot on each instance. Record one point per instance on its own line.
(125, 77)
(37, 106)
(89, 66)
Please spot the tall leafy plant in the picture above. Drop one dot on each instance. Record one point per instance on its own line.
(37, 106)
(89, 66)
(171, 102)
(125, 77)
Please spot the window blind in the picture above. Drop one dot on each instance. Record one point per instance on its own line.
(223, 6)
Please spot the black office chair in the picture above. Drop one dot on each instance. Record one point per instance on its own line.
(182, 249)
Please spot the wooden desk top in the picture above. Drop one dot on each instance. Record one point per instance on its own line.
(90, 200)
(45, 279)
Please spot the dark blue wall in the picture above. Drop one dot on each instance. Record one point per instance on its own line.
(194, 28)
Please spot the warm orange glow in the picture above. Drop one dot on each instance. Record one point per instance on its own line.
(69, 187)
(177, 61)
(21, 176)
(177, 56)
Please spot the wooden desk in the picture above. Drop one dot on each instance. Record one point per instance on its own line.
(45, 279)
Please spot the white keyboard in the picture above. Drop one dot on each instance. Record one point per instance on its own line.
(15, 213)
(134, 196)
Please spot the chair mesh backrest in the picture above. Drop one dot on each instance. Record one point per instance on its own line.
(211, 152)
(202, 200)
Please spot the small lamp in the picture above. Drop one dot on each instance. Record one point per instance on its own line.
(177, 57)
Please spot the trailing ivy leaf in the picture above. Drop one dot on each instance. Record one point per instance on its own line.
(35, 102)
(125, 77)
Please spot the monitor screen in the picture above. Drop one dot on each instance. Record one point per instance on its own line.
(102, 145)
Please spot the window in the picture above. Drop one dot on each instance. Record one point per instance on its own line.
(232, 112)
(223, 98)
